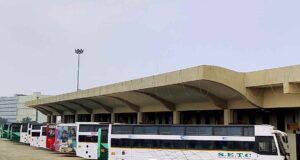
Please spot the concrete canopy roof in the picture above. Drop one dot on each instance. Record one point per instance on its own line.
(213, 84)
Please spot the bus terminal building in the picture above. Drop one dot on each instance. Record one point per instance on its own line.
(198, 95)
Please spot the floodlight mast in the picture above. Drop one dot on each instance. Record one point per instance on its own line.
(78, 52)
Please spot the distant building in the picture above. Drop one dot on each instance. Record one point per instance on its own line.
(8, 108)
(13, 108)
(24, 112)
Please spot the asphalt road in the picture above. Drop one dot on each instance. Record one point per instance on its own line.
(16, 151)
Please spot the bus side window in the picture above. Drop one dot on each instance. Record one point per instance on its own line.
(44, 131)
(265, 145)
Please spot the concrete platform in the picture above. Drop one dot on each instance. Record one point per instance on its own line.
(17, 151)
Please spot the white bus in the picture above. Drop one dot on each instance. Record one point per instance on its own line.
(24, 136)
(176, 142)
(35, 134)
(87, 138)
(42, 138)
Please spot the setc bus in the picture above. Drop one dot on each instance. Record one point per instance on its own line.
(65, 138)
(165, 142)
(24, 133)
(5, 131)
(42, 139)
(15, 132)
(50, 136)
(1, 130)
(35, 133)
(9, 131)
(87, 138)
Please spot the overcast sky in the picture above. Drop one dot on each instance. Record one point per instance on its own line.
(128, 39)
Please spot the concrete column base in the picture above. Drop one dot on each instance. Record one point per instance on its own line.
(176, 117)
(62, 118)
(228, 116)
(76, 117)
(139, 117)
(112, 118)
(92, 117)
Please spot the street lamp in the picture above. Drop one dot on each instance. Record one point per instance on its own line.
(78, 52)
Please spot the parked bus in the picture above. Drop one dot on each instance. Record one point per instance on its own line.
(35, 134)
(50, 136)
(9, 131)
(1, 130)
(164, 142)
(24, 137)
(15, 132)
(43, 136)
(87, 138)
(65, 138)
(5, 131)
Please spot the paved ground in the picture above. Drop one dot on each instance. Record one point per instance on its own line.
(16, 151)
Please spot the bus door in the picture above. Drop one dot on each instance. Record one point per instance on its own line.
(102, 144)
(24, 133)
(29, 138)
(267, 149)
(42, 138)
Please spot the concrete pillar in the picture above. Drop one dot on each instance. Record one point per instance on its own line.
(228, 116)
(112, 118)
(76, 117)
(49, 119)
(92, 117)
(129, 118)
(139, 117)
(176, 117)
(163, 118)
(52, 119)
(62, 118)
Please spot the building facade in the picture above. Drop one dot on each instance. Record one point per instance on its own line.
(8, 108)
(14, 110)
(27, 112)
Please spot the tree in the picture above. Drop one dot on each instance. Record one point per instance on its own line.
(3, 120)
(26, 120)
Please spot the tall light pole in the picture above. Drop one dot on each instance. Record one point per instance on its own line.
(78, 52)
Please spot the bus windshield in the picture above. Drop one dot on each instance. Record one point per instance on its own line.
(5, 127)
(24, 128)
(16, 128)
(280, 144)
